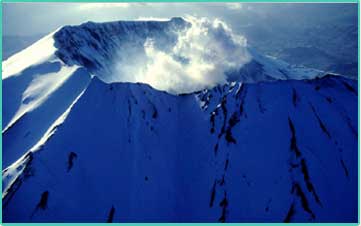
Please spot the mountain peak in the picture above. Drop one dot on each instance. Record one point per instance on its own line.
(173, 121)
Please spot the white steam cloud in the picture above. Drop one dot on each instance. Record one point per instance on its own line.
(201, 57)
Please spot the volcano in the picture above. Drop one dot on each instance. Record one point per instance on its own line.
(88, 138)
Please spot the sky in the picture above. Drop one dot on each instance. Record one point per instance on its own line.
(40, 18)
(24, 19)
(35, 18)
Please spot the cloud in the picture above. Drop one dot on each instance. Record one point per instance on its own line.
(152, 18)
(93, 6)
(200, 58)
(234, 5)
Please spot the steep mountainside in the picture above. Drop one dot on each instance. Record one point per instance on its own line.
(273, 143)
(209, 156)
(12, 44)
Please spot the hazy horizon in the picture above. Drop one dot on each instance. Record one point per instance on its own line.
(24, 19)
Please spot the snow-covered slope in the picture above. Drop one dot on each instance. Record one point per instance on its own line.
(272, 142)
(281, 151)
(39, 84)
(33, 100)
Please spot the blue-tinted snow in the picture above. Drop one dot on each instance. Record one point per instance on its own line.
(152, 156)
(262, 148)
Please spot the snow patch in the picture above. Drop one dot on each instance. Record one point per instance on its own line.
(40, 89)
(35, 54)
(54, 126)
